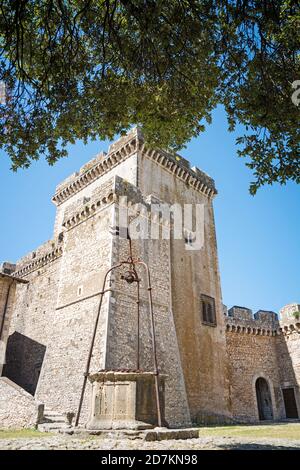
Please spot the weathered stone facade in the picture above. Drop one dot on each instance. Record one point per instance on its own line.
(210, 366)
(262, 347)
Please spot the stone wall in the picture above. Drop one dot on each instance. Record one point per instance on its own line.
(33, 319)
(288, 349)
(24, 359)
(5, 282)
(7, 295)
(87, 251)
(202, 347)
(58, 306)
(194, 272)
(210, 375)
(121, 160)
(122, 329)
(18, 409)
(258, 346)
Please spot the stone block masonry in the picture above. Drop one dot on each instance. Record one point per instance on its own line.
(18, 408)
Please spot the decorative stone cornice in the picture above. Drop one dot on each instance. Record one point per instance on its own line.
(263, 330)
(123, 149)
(122, 375)
(38, 263)
(100, 168)
(89, 210)
(194, 178)
(113, 192)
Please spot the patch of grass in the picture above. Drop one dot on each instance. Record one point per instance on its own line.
(279, 431)
(22, 433)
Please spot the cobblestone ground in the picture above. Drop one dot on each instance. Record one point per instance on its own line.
(203, 443)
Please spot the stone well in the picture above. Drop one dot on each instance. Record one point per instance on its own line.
(124, 400)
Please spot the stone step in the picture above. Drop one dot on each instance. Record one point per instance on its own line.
(55, 427)
(155, 434)
(53, 416)
(107, 434)
(54, 422)
(55, 419)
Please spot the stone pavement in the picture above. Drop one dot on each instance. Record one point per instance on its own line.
(62, 442)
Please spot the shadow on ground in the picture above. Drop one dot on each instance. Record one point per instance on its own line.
(255, 446)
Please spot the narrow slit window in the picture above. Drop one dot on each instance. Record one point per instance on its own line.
(208, 310)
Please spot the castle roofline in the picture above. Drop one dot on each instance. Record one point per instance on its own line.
(122, 149)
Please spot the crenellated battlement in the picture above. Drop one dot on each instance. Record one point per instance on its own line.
(253, 327)
(122, 149)
(263, 322)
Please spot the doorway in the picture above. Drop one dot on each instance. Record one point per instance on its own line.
(290, 404)
(264, 401)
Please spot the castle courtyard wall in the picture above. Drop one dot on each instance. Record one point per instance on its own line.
(18, 409)
(257, 347)
(211, 368)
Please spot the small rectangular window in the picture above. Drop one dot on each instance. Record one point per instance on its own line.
(208, 309)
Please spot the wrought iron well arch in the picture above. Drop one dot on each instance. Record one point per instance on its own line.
(130, 276)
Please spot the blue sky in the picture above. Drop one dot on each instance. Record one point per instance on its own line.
(258, 237)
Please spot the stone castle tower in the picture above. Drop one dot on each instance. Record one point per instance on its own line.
(49, 300)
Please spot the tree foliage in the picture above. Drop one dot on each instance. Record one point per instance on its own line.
(79, 69)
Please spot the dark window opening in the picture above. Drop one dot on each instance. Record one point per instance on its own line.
(208, 310)
(189, 237)
(24, 359)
